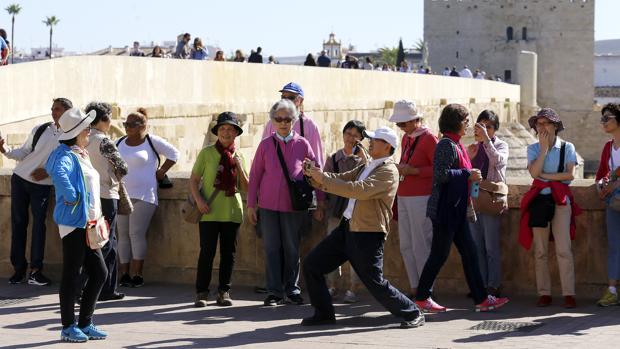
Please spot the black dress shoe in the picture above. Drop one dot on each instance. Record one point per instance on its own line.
(111, 297)
(416, 322)
(272, 301)
(296, 299)
(319, 320)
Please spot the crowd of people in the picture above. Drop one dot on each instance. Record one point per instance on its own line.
(441, 191)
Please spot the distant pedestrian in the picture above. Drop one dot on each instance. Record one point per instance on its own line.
(158, 52)
(4, 51)
(453, 72)
(136, 51)
(272, 60)
(310, 60)
(368, 64)
(183, 50)
(239, 57)
(323, 60)
(404, 67)
(199, 52)
(446, 71)
(466, 73)
(219, 56)
(421, 70)
(256, 57)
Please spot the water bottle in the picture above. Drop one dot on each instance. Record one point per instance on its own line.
(475, 190)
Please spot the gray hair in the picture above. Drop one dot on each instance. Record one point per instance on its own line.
(288, 106)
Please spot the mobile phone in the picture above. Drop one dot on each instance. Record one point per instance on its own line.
(308, 164)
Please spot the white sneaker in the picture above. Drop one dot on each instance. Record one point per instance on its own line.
(350, 297)
(332, 291)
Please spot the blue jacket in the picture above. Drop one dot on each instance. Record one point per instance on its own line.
(453, 200)
(64, 168)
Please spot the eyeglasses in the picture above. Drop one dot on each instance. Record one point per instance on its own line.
(402, 124)
(132, 124)
(282, 120)
(289, 97)
(606, 118)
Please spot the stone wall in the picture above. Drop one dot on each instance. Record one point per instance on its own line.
(173, 246)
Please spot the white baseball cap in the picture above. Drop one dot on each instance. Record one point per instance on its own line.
(405, 111)
(384, 133)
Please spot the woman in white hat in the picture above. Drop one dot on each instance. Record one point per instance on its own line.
(416, 183)
(76, 185)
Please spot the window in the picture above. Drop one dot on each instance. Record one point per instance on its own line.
(507, 76)
(509, 33)
(524, 33)
(457, 54)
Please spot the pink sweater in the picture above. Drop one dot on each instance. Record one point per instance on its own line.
(267, 183)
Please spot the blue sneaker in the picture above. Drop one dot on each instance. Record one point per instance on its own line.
(73, 334)
(93, 332)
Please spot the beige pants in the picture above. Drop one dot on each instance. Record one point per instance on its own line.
(561, 235)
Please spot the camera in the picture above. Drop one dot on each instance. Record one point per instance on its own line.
(308, 165)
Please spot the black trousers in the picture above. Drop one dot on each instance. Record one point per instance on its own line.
(75, 254)
(365, 253)
(440, 250)
(210, 232)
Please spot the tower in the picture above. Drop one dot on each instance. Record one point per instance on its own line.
(333, 47)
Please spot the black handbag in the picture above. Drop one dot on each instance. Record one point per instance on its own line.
(300, 191)
(542, 207)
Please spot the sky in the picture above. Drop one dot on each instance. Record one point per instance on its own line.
(281, 28)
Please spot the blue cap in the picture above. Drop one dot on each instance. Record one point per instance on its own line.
(293, 88)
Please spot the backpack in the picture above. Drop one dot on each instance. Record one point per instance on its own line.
(38, 133)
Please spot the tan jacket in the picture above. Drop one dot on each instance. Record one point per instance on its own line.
(375, 195)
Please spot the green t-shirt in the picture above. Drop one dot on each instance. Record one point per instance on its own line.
(223, 208)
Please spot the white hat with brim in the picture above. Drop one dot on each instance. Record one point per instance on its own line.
(74, 121)
(384, 133)
(405, 111)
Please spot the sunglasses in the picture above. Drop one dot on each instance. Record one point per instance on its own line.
(606, 118)
(402, 124)
(132, 124)
(282, 120)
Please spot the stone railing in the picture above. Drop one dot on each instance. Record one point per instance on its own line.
(173, 245)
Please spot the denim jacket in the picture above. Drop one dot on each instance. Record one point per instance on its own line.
(64, 168)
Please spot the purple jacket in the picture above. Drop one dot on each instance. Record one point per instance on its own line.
(267, 183)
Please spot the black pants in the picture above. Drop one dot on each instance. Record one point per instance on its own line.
(23, 195)
(440, 250)
(365, 253)
(75, 254)
(209, 233)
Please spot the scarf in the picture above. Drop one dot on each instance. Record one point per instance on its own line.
(481, 160)
(226, 177)
(420, 131)
(464, 161)
(83, 153)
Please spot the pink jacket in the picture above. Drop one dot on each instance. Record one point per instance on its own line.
(267, 185)
(311, 133)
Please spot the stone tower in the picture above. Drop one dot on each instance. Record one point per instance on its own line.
(490, 34)
(332, 47)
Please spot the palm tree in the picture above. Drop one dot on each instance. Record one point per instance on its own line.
(13, 10)
(51, 22)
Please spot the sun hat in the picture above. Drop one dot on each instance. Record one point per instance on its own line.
(74, 121)
(405, 111)
(227, 118)
(384, 133)
(549, 114)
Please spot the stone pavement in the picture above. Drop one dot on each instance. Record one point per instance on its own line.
(163, 316)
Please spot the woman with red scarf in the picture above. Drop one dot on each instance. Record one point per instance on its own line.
(220, 171)
(448, 208)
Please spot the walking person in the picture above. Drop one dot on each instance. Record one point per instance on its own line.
(76, 185)
(449, 208)
(415, 170)
(360, 236)
(220, 170)
(30, 186)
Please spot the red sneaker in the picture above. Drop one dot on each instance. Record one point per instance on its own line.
(491, 303)
(429, 306)
(569, 302)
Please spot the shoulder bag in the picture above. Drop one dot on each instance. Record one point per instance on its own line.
(299, 191)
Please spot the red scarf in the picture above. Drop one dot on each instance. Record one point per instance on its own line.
(463, 157)
(226, 178)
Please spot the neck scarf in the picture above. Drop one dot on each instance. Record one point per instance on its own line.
(226, 177)
(464, 161)
(420, 131)
(83, 153)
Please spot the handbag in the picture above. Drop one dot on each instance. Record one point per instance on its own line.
(614, 200)
(97, 233)
(492, 199)
(299, 191)
(189, 210)
(125, 206)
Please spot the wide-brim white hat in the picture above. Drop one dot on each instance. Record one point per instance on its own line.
(405, 111)
(74, 121)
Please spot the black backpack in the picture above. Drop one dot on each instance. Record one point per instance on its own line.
(38, 133)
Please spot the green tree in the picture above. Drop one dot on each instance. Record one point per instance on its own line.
(419, 45)
(51, 22)
(400, 57)
(13, 10)
(388, 55)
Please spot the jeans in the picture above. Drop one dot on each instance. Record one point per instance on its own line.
(209, 233)
(487, 235)
(613, 238)
(75, 255)
(365, 253)
(281, 239)
(24, 194)
(443, 237)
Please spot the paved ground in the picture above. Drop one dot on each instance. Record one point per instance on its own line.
(162, 316)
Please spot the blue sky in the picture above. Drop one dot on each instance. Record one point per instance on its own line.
(281, 28)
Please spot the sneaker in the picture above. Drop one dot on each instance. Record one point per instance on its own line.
(332, 292)
(272, 300)
(491, 303)
(319, 320)
(137, 281)
(543, 301)
(429, 306)
(73, 334)
(260, 289)
(608, 299)
(125, 281)
(416, 322)
(93, 332)
(37, 278)
(201, 299)
(295, 299)
(569, 302)
(350, 297)
(17, 278)
(111, 297)
(223, 299)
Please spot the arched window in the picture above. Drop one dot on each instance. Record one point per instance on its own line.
(524, 33)
(509, 33)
